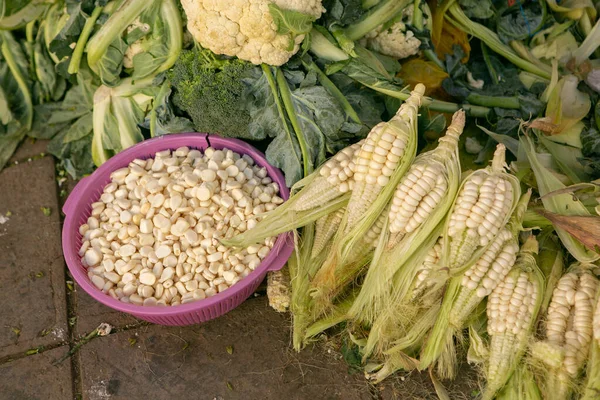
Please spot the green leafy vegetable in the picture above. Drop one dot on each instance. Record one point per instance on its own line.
(480, 9)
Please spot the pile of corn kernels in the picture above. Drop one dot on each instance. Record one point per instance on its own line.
(153, 236)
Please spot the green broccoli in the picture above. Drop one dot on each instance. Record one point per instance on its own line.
(210, 89)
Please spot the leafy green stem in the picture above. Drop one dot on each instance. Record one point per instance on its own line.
(378, 15)
(286, 96)
(432, 104)
(172, 17)
(14, 68)
(82, 41)
(114, 26)
(332, 89)
(589, 45)
(280, 109)
(458, 18)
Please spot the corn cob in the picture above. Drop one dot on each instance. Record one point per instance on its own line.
(387, 151)
(592, 385)
(325, 228)
(466, 292)
(335, 177)
(421, 201)
(423, 281)
(569, 331)
(512, 311)
(485, 202)
(479, 281)
(596, 322)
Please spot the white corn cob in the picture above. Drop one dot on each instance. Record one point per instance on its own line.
(511, 309)
(369, 241)
(484, 276)
(570, 316)
(380, 156)
(325, 228)
(425, 184)
(422, 279)
(464, 293)
(596, 322)
(336, 177)
(480, 210)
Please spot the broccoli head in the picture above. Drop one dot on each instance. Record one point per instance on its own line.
(210, 90)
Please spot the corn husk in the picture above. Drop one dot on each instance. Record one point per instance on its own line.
(512, 355)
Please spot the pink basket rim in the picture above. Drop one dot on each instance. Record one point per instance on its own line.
(79, 197)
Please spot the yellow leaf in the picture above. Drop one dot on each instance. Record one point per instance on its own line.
(428, 73)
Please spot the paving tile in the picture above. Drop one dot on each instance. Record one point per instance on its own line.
(32, 288)
(29, 148)
(195, 362)
(35, 378)
(91, 313)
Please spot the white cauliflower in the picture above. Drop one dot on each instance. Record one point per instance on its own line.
(245, 28)
(395, 41)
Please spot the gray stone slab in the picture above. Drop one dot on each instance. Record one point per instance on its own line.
(195, 362)
(32, 284)
(29, 148)
(35, 378)
(91, 313)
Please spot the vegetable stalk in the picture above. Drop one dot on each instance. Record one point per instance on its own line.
(286, 96)
(82, 41)
(378, 15)
(114, 26)
(458, 18)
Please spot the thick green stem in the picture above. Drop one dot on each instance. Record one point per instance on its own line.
(280, 109)
(321, 47)
(114, 27)
(432, 104)
(377, 16)
(492, 101)
(333, 90)
(589, 45)
(286, 96)
(82, 41)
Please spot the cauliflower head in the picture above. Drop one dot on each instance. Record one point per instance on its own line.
(245, 28)
(395, 41)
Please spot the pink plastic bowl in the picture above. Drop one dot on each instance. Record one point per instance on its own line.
(77, 209)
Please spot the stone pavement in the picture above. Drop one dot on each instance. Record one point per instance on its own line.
(245, 354)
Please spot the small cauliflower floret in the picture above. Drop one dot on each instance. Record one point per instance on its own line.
(395, 41)
(245, 28)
